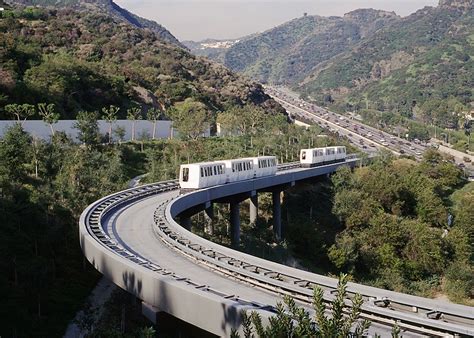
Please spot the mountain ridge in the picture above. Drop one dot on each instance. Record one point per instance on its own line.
(370, 59)
(110, 7)
(85, 60)
(286, 54)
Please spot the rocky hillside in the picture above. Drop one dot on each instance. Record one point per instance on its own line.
(288, 53)
(84, 60)
(109, 7)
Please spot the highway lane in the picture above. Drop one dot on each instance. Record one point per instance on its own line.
(366, 138)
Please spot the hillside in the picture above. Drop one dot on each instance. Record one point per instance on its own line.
(288, 53)
(84, 60)
(428, 54)
(108, 7)
(371, 59)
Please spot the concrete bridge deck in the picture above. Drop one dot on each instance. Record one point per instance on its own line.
(133, 239)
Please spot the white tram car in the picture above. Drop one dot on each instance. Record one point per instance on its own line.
(208, 174)
(318, 156)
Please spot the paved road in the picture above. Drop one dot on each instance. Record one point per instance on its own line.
(366, 138)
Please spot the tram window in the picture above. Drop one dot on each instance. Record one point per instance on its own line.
(215, 171)
(202, 172)
(185, 174)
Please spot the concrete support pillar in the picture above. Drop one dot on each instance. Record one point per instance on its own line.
(186, 223)
(235, 223)
(253, 209)
(276, 214)
(209, 219)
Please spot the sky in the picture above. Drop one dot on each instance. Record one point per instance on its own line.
(229, 19)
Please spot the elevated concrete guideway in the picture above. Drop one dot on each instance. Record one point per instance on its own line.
(133, 239)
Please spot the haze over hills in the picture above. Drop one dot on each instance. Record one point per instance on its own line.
(368, 58)
(213, 49)
(86, 59)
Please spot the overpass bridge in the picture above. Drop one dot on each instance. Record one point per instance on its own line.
(133, 238)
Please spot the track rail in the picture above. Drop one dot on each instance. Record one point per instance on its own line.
(412, 314)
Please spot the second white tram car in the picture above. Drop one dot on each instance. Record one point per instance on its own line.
(208, 174)
(318, 156)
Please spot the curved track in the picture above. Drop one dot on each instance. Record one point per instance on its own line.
(133, 239)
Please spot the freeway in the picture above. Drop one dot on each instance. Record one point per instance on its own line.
(133, 239)
(365, 137)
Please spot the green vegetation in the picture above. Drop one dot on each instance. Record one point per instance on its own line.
(109, 8)
(389, 227)
(294, 321)
(44, 186)
(86, 60)
(395, 224)
(43, 189)
(417, 68)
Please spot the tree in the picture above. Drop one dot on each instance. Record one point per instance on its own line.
(292, 321)
(134, 114)
(88, 127)
(110, 115)
(20, 111)
(120, 132)
(49, 115)
(228, 123)
(153, 115)
(190, 118)
(15, 153)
